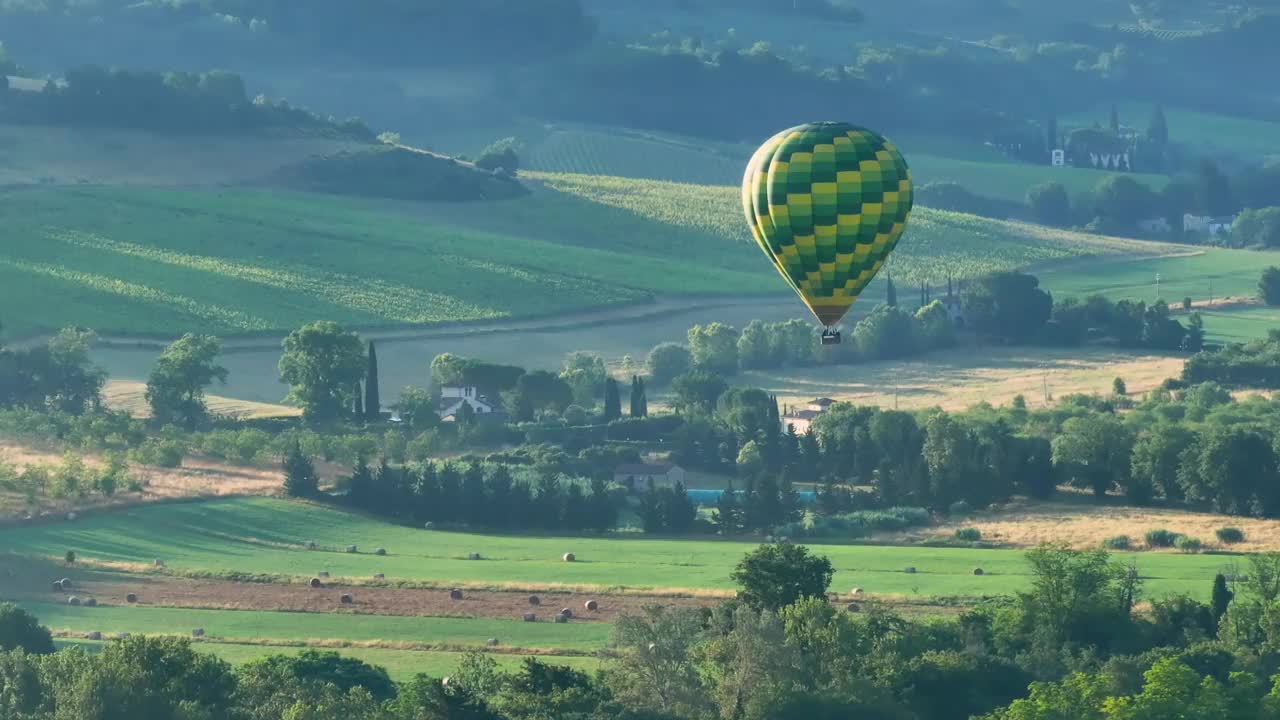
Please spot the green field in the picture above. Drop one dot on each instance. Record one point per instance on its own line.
(1225, 273)
(251, 625)
(654, 156)
(401, 665)
(1251, 139)
(265, 536)
(160, 261)
(1241, 324)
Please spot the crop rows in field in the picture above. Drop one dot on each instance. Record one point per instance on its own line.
(267, 537)
(937, 243)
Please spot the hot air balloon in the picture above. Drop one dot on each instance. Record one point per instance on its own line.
(827, 203)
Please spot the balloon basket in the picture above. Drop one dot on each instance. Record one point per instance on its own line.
(830, 337)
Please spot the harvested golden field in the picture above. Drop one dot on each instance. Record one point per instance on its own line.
(960, 378)
(196, 478)
(130, 396)
(1081, 523)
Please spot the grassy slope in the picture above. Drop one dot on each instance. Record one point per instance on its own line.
(266, 536)
(402, 665)
(1232, 273)
(147, 260)
(657, 156)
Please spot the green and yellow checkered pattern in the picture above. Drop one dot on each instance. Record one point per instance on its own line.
(827, 202)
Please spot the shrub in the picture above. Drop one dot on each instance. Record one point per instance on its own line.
(1160, 538)
(1118, 542)
(159, 453)
(969, 534)
(1229, 535)
(960, 507)
(1188, 544)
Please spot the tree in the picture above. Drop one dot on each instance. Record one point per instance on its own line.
(372, 398)
(756, 347)
(20, 630)
(1221, 598)
(1094, 453)
(538, 390)
(299, 473)
(1115, 119)
(175, 387)
(934, 328)
(501, 154)
(1118, 387)
(774, 576)
(1157, 456)
(1050, 204)
(714, 348)
(612, 401)
(1008, 304)
(1051, 134)
(698, 391)
(585, 373)
(321, 363)
(890, 292)
(639, 401)
(1123, 201)
(1257, 227)
(727, 516)
(1269, 286)
(1213, 190)
(668, 361)
(1158, 128)
(888, 332)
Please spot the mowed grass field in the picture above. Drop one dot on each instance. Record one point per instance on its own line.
(1193, 272)
(162, 261)
(401, 665)
(264, 536)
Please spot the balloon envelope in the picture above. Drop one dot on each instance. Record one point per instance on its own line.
(827, 203)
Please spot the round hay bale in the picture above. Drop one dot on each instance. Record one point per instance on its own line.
(91, 602)
(379, 576)
(351, 548)
(491, 642)
(316, 582)
(853, 607)
(561, 619)
(653, 646)
(122, 636)
(158, 562)
(530, 617)
(591, 605)
(71, 516)
(311, 544)
(131, 598)
(909, 570)
(95, 635)
(346, 600)
(65, 583)
(855, 592)
(198, 632)
(784, 540)
(566, 612)
(73, 600)
(57, 586)
(978, 571)
(380, 551)
(535, 600)
(323, 573)
(569, 557)
(428, 525)
(768, 538)
(473, 556)
(455, 594)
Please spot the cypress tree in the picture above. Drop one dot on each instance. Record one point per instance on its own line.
(682, 512)
(360, 486)
(299, 473)
(612, 401)
(372, 400)
(728, 517)
(1115, 120)
(890, 292)
(357, 407)
(639, 401)
(1051, 134)
(603, 514)
(1158, 130)
(1221, 597)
